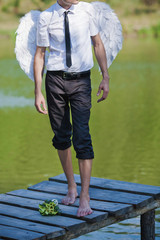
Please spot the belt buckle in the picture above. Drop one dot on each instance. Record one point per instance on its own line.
(64, 75)
(69, 75)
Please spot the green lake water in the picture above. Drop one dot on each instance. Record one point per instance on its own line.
(125, 128)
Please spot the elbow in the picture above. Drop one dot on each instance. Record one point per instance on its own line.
(97, 42)
(98, 46)
(40, 53)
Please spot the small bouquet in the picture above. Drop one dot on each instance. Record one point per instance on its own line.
(49, 207)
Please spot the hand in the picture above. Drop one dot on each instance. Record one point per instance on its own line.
(104, 86)
(40, 103)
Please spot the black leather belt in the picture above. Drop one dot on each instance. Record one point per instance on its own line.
(71, 75)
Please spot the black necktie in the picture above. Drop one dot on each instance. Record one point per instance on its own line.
(67, 40)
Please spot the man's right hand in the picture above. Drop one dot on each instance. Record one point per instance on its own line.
(40, 103)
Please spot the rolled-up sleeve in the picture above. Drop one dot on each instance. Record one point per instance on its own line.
(93, 22)
(42, 31)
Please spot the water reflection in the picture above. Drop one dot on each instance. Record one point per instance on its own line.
(14, 101)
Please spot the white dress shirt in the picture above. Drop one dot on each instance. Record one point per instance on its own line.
(50, 33)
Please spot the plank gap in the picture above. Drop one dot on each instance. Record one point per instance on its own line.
(91, 198)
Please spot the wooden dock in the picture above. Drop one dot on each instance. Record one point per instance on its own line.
(111, 200)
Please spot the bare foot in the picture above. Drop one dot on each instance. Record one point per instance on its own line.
(84, 207)
(71, 195)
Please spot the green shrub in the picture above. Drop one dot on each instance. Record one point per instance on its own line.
(156, 30)
(153, 31)
(5, 8)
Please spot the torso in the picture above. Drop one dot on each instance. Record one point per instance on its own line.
(79, 23)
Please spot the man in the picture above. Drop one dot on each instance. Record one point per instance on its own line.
(68, 82)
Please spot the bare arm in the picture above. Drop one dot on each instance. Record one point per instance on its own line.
(102, 61)
(39, 59)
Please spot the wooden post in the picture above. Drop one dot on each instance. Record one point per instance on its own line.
(148, 225)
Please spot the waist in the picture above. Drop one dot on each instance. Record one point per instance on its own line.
(70, 75)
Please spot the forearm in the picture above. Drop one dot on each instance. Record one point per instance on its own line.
(101, 57)
(38, 70)
(102, 61)
(38, 74)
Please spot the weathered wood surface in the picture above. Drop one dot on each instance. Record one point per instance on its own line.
(115, 209)
(97, 194)
(19, 209)
(115, 185)
(66, 210)
(67, 223)
(13, 233)
(51, 231)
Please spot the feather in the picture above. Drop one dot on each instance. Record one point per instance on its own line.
(25, 46)
(110, 30)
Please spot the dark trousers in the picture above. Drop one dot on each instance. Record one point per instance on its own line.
(61, 96)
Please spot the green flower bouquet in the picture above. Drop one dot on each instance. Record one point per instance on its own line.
(49, 207)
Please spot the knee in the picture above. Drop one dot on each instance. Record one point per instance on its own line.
(83, 146)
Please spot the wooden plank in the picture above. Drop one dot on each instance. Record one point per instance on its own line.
(148, 225)
(15, 233)
(51, 231)
(115, 209)
(95, 193)
(118, 185)
(35, 194)
(66, 210)
(27, 214)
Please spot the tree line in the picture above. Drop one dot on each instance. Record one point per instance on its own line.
(14, 5)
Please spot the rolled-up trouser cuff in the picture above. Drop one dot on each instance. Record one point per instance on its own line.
(85, 155)
(61, 146)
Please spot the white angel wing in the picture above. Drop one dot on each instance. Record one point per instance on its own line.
(110, 30)
(25, 46)
(109, 27)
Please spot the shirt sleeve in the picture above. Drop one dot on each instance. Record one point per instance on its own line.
(93, 23)
(42, 31)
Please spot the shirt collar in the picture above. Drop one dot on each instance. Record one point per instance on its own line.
(61, 10)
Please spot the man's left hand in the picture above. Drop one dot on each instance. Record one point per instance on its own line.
(104, 86)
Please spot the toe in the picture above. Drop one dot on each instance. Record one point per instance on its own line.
(90, 211)
(64, 201)
(87, 212)
(72, 200)
(78, 213)
(82, 213)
